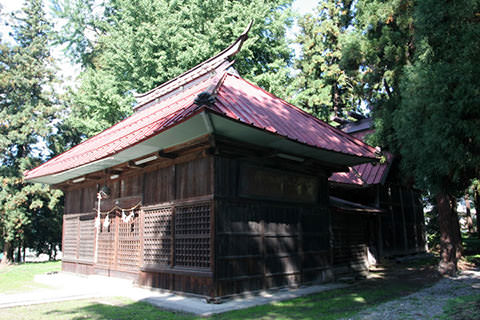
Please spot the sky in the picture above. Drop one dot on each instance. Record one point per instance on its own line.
(68, 72)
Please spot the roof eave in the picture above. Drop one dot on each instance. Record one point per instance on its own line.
(201, 122)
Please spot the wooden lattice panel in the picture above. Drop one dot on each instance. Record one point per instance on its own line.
(157, 236)
(192, 236)
(70, 237)
(106, 243)
(86, 245)
(129, 244)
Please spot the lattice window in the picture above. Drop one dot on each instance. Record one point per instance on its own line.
(70, 237)
(129, 244)
(86, 246)
(157, 236)
(192, 236)
(106, 243)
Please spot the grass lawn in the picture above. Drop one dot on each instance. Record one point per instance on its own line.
(387, 283)
(463, 308)
(18, 278)
(92, 309)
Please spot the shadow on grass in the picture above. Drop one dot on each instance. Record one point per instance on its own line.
(103, 309)
(386, 283)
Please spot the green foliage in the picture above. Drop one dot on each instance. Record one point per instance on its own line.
(385, 29)
(27, 110)
(354, 53)
(436, 125)
(471, 244)
(432, 229)
(475, 259)
(19, 278)
(137, 45)
(329, 78)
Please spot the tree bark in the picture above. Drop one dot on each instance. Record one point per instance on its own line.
(450, 238)
(6, 253)
(468, 215)
(476, 198)
(19, 253)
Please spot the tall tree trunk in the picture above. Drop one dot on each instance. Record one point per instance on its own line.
(476, 199)
(6, 253)
(468, 215)
(11, 251)
(50, 252)
(450, 239)
(19, 253)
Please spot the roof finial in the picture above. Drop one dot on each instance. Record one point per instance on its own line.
(204, 98)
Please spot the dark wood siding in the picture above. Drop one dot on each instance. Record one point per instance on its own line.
(403, 225)
(209, 225)
(194, 178)
(350, 242)
(272, 229)
(159, 185)
(80, 199)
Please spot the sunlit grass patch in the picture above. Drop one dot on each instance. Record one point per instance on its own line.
(18, 278)
(93, 309)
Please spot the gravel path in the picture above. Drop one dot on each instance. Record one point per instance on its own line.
(427, 303)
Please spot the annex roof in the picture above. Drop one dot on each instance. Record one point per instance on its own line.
(240, 111)
(365, 174)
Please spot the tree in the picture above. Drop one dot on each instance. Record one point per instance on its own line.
(27, 110)
(474, 190)
(329, 79)
(468, 214)
(139, 45)
(386, 32)
(436, 124)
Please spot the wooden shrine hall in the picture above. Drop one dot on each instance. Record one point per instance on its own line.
(212, 187)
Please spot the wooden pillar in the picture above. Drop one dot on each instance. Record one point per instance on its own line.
(262, 251)
(379, 223)
(116, 242)
(213, 290)
(141, 228)
(415, 208)
(300, 245)
(405, 240)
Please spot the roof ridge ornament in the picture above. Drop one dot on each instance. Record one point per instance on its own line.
(204, 98)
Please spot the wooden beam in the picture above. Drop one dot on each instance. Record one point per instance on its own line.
(131, 165)
(163, 154)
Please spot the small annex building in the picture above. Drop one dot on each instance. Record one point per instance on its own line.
(212, 187)
(400, 227)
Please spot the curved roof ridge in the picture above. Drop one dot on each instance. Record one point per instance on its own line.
(213, 63)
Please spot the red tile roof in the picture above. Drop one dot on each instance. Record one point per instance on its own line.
(239, 99)
(134, 129)
(367, 173)
(236, 99)
(173, 102)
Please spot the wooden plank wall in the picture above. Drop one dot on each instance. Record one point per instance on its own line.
(403, 226)
(212, 225)
(263, 242)
(350, 242)
(168, 242)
